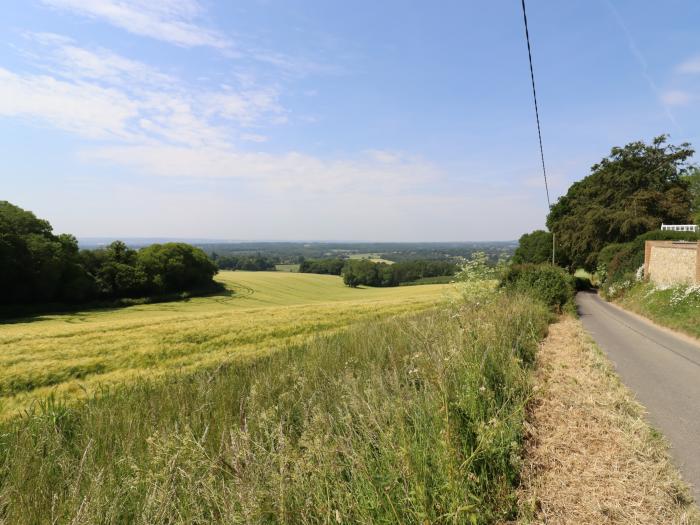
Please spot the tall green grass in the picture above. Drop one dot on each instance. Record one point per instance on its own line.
(416, 419)
(677, 307)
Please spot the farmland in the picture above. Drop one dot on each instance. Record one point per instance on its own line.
(415, 418)
(69, 355)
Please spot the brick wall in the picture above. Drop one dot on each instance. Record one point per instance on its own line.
(667, 263)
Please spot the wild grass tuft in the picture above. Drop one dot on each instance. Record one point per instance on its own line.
(410, 420)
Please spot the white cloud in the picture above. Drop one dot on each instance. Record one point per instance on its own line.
(253, 137)
(59, 54)
(99, 94)
(292, 171)
(87, 110)
(158, 125)
(675, 97)
(173, 21)
(690, 66)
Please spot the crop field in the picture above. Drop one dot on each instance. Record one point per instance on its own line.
(374, 257)
(287, 267)
(70, 355)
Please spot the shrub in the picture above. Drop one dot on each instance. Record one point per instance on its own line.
(617, 261)
(550, 284)
(581, 284)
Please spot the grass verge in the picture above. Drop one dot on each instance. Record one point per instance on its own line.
(417, 419)
(591, 456)
(677, 308)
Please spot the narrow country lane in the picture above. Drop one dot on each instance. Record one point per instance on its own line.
(661, 368)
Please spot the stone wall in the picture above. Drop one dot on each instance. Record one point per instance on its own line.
(668, 263)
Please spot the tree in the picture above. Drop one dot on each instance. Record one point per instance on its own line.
(534, 248)
(37, 266)
(175, 267)
(693, 179)
(358, 272)
(632, 191)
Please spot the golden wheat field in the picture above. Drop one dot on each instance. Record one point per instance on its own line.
(72, 354)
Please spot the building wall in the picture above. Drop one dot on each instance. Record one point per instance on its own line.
(668, 263)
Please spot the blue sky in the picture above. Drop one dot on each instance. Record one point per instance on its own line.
(327, 120)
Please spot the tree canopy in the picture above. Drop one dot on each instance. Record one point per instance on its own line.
(251, 263)
(694, 188)
(633, 190)
(358, 272)
(41, 267)
(534, 248)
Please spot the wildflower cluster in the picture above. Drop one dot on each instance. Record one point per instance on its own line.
(686, 295)
(476, 280)
(618, 289)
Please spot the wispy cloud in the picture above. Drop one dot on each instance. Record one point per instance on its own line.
(86, 110)
(158, 125)
(99, 94)
(292, 171)
(174, 21)
(676, 97)
(690, 66)
(61, 55)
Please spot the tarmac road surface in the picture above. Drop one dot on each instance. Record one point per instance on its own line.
(662, 368)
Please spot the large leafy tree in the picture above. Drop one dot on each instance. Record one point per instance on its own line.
(535, 248)
(694, 187)
(35, 264)
(632, 191)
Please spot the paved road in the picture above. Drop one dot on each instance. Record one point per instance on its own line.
(661, 368)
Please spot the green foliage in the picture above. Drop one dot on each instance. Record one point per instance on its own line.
(410, 271)
(677, 307)
(411, 420)
(322, 266)
(550, 284)
(534, 248)
(693, 179)
(619, 261)
(582, 284)
(40, 267)
(249, 263)
(441, 279)
(37, 265)
(475, 279)
(175, 266)
(632, 191)
(358, 272)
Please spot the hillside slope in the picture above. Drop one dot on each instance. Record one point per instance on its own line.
(68, 354)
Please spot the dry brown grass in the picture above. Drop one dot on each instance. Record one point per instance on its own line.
(591, 457)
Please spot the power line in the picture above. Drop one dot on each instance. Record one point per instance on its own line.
(534, 96)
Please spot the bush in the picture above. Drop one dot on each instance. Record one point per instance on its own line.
(617, 261)
(322, 266)
(581, 284)
(550, 284)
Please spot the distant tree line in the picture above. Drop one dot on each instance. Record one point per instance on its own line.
(358, 272)
(322, 266)
(296, 252)
(251, 263)
(38, 266)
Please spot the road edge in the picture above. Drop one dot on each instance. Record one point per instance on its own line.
(590, 454)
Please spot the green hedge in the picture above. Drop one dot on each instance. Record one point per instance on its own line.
(551, 284)
(618, 261)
